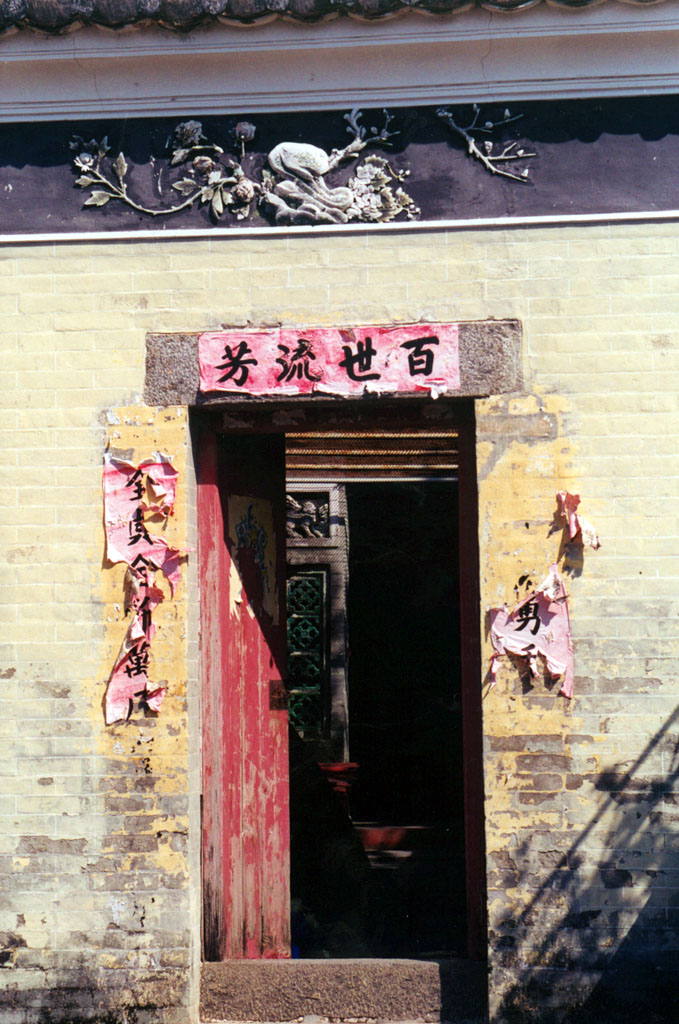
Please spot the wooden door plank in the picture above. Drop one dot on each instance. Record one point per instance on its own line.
(246, 836)
(472, 723)
(211, 559)
(253, 488)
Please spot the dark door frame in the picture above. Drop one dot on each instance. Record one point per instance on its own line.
(472, 718)
(312, 414)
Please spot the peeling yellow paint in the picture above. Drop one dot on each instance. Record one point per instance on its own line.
(156, 748)
(524, 456)
(169, 861)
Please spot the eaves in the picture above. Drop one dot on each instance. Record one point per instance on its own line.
(476, 55)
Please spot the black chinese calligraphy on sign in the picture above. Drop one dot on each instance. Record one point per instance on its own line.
(421, 355)
(342, 361)
(296, 364)
(236, 363)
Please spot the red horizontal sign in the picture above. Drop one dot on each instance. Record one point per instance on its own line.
(331, 360)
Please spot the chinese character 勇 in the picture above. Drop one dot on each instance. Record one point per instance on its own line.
(526, 614)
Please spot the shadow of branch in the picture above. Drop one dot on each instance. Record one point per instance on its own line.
(597, 941)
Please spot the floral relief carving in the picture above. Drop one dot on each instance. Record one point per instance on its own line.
(214, 179)
(483, 150)
(295, 186)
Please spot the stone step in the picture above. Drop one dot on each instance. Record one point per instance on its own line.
(344, 990)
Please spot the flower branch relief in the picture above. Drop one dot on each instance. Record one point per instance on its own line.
(293, 186)
(222, 185)
(483, 150)
(296, 185)
(189, 141)
(89, 160)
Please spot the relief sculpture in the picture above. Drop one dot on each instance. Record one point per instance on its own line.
(307, 516)
(292, 186)
(296, 182)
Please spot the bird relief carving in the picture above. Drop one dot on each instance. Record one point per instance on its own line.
(295, 186)
(292, 187)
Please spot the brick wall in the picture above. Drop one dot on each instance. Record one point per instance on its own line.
(582, 866)
(99, 836)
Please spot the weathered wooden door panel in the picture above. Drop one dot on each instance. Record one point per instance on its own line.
(245, 791)
(245, 756)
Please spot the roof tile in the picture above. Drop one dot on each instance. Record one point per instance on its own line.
(183, 15)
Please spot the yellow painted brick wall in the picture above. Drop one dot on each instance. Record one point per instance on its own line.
(103, 878)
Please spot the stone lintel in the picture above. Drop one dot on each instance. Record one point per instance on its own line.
(490, 364)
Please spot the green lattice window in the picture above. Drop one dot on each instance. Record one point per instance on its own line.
(307, 645)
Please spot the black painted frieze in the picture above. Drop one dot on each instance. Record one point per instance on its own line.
(367, 167)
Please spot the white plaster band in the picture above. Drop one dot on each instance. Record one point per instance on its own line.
(157, 234)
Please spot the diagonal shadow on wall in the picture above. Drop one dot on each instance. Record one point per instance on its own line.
(599, 939)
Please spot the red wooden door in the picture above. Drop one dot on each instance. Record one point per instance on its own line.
(246, 834)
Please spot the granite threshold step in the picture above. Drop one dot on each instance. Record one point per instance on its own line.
(360, 991)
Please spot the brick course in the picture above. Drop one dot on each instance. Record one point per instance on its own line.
(99, 827)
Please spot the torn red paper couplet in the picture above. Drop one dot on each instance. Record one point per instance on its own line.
(132, 494)
(161, 485)
(331, 360)
(568, 509)
(129, 678)
(538, 625)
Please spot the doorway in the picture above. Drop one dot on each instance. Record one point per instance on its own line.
(385, 769)
(377, 840)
